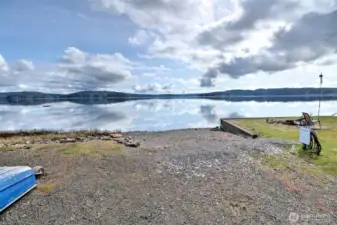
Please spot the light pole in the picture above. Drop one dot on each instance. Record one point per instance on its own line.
(320, 97)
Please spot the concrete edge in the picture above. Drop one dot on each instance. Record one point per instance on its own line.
(270, 117)
(230, 127)
(253, 118)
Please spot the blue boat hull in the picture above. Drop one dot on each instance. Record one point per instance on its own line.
(15, 182)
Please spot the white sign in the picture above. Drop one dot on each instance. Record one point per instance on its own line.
(304, 135)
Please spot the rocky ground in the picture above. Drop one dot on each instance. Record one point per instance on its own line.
(195, 176)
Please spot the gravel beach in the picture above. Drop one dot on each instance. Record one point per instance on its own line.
(194, 176)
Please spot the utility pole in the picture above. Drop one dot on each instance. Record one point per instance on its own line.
(320, 98)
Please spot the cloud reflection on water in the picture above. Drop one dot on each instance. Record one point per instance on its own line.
(152, 115)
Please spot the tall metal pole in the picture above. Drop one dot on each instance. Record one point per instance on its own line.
(320, 86)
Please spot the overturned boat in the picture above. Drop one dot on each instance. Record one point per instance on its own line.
(15, 182)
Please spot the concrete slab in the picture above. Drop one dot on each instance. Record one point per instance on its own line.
(253, 118)
(230, 127)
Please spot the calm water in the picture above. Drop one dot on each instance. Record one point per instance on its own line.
(151, 115)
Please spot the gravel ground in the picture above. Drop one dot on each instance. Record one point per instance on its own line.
(194, 176)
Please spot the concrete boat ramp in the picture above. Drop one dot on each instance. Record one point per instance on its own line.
(228, 125)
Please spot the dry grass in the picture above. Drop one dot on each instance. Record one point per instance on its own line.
(35, 132)
(22, 137)
(46, 188)
(5, 148)
(95, 147)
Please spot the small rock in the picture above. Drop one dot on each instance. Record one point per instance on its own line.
(216, 129)
(293, 150)
(120, 140)
(132, 144)
(62, 141)
(128, 138)
(90, 138)
(116, 135)
(80, 139)
(70, 140)
(106, 138)
(17, 146)
(144, 217)
(39, 171)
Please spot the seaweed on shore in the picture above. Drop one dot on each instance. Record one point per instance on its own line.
(37, 132)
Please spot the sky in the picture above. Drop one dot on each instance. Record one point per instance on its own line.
(166, 46)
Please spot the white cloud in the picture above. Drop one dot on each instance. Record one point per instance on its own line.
(76, 71)
(149, 74)
(141, 37)
(12, 74)
(152, 88)
(216, 43)
(159, 68)
(166, 16)
(23, 65)
(3, 65)
(148, 88)
(167, 87)
(92, 71)
(74, 56)
(234, 37)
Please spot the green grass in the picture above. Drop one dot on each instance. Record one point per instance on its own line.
(327, 136)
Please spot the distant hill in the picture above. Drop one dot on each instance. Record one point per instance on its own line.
(108, 97)
(275, 92)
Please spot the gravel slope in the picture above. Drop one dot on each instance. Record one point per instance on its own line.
(175, 177)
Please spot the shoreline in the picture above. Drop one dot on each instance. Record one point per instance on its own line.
(36, 132)
(32, 132)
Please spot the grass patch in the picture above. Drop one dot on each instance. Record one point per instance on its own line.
(5, 148)
(37, 154)
(96, 147)
(327, 161)
(275, 162)
(283, 162)
(46, 188)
